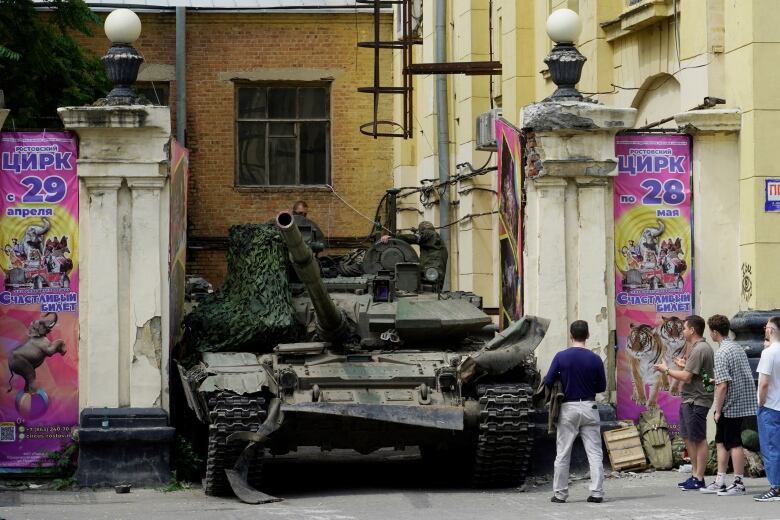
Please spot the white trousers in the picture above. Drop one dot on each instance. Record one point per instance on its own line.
(578, 418)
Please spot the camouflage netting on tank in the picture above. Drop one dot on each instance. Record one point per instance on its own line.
(253, 310)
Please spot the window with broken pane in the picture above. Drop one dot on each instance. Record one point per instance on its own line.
(282, 134)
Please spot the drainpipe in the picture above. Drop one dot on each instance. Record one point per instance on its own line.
(442, 116)
(181, 79)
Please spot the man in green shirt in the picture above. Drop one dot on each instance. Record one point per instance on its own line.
(697, 374)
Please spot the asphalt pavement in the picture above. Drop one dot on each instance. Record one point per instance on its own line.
(390, 485)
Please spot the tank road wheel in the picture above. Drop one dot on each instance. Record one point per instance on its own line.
(505, 437)
(231, 413)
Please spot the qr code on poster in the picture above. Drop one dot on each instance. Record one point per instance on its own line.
(7, 432)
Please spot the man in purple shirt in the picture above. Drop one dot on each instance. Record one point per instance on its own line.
(582, 375)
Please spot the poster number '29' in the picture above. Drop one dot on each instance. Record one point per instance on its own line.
(671, 192)
(51, 189)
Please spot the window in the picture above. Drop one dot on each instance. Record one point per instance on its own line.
(282, 135)
(157, 92)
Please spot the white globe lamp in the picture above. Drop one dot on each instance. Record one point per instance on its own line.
(563, 26)
(122, 61)
(564, 61)
(122, 26)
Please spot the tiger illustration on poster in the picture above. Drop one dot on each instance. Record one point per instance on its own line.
(647, 346)
(670, 332)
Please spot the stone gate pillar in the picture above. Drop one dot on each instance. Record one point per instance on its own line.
(123, 170)
(568, 220)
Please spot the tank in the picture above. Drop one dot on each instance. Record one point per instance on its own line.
(383, 360)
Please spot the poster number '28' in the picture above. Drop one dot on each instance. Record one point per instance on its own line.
(51, 189)
(671, 192)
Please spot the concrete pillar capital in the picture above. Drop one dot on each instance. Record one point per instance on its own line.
(549, 182)
(572, 138)
(146, 183)
(711, 121)
(94, 184)
(113, 137)
(591, 182)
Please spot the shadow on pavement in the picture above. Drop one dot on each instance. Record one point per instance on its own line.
(343, 472)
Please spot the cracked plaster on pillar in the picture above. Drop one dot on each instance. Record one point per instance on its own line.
(146, 364)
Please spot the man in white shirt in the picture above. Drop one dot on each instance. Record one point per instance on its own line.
(769, 410)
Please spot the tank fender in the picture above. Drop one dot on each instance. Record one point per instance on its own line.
(189, 382)
(510, 348)
(238, 372)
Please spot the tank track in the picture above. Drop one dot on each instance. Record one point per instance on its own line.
(229, 413)
(505, 437)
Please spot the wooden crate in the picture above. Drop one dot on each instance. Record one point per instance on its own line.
(625, 449)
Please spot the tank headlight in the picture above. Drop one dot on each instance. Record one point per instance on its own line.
(431, 274)
(288, 380)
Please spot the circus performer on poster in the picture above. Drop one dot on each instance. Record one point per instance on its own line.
(14, 261)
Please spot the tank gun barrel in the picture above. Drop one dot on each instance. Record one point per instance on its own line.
(331, 323)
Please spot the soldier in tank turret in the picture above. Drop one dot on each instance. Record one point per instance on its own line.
(312, 234)
(433, 252)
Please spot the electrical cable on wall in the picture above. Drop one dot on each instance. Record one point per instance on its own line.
(647, 89)
(490, 41)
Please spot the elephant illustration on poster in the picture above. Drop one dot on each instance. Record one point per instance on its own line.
(27, 357)
(33, 238)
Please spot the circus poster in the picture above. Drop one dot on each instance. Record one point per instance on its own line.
(39, 297)
(510, 213)
(177, 254)
(653, 268)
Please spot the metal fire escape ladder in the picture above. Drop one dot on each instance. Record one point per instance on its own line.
(384, 128)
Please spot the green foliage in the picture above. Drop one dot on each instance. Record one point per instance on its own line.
(63, 464)
(186, 462)
(9, 54)
(252, 311)
(174, 484)
(678, 446)
(60, 484)
(42, 66)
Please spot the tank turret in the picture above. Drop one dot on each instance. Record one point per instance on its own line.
(331, 324)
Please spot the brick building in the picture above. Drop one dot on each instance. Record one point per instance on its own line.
(273, 112)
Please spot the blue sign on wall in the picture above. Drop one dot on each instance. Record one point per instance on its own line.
(772, 195)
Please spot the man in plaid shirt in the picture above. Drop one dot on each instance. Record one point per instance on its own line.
(733, 402)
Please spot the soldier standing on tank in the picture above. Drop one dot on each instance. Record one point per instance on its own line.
(433, 252)
(582, 376)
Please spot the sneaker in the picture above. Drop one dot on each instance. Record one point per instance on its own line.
(694, 484)
(736, 489)
(556, 500)
(595, 500)
(770, 496)
(684, 482)
(713, 488)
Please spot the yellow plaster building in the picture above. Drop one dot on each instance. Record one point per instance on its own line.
(661, 57)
